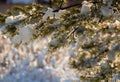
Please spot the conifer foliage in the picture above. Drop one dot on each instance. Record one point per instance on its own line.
(93, 28)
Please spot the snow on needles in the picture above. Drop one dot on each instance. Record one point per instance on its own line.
(49, 13)
(13, 19)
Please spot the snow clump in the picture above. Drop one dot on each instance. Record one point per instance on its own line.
(86, 7)
(25, 34)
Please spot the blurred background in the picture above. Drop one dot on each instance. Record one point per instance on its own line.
(24, 1)
(6, 4)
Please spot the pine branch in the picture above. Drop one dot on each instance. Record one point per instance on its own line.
(62, 8)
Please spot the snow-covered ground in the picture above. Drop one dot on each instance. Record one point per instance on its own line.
(32, 63)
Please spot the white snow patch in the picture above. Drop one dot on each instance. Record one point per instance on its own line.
(32, 63)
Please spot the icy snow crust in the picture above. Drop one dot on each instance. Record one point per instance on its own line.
(32, 63)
